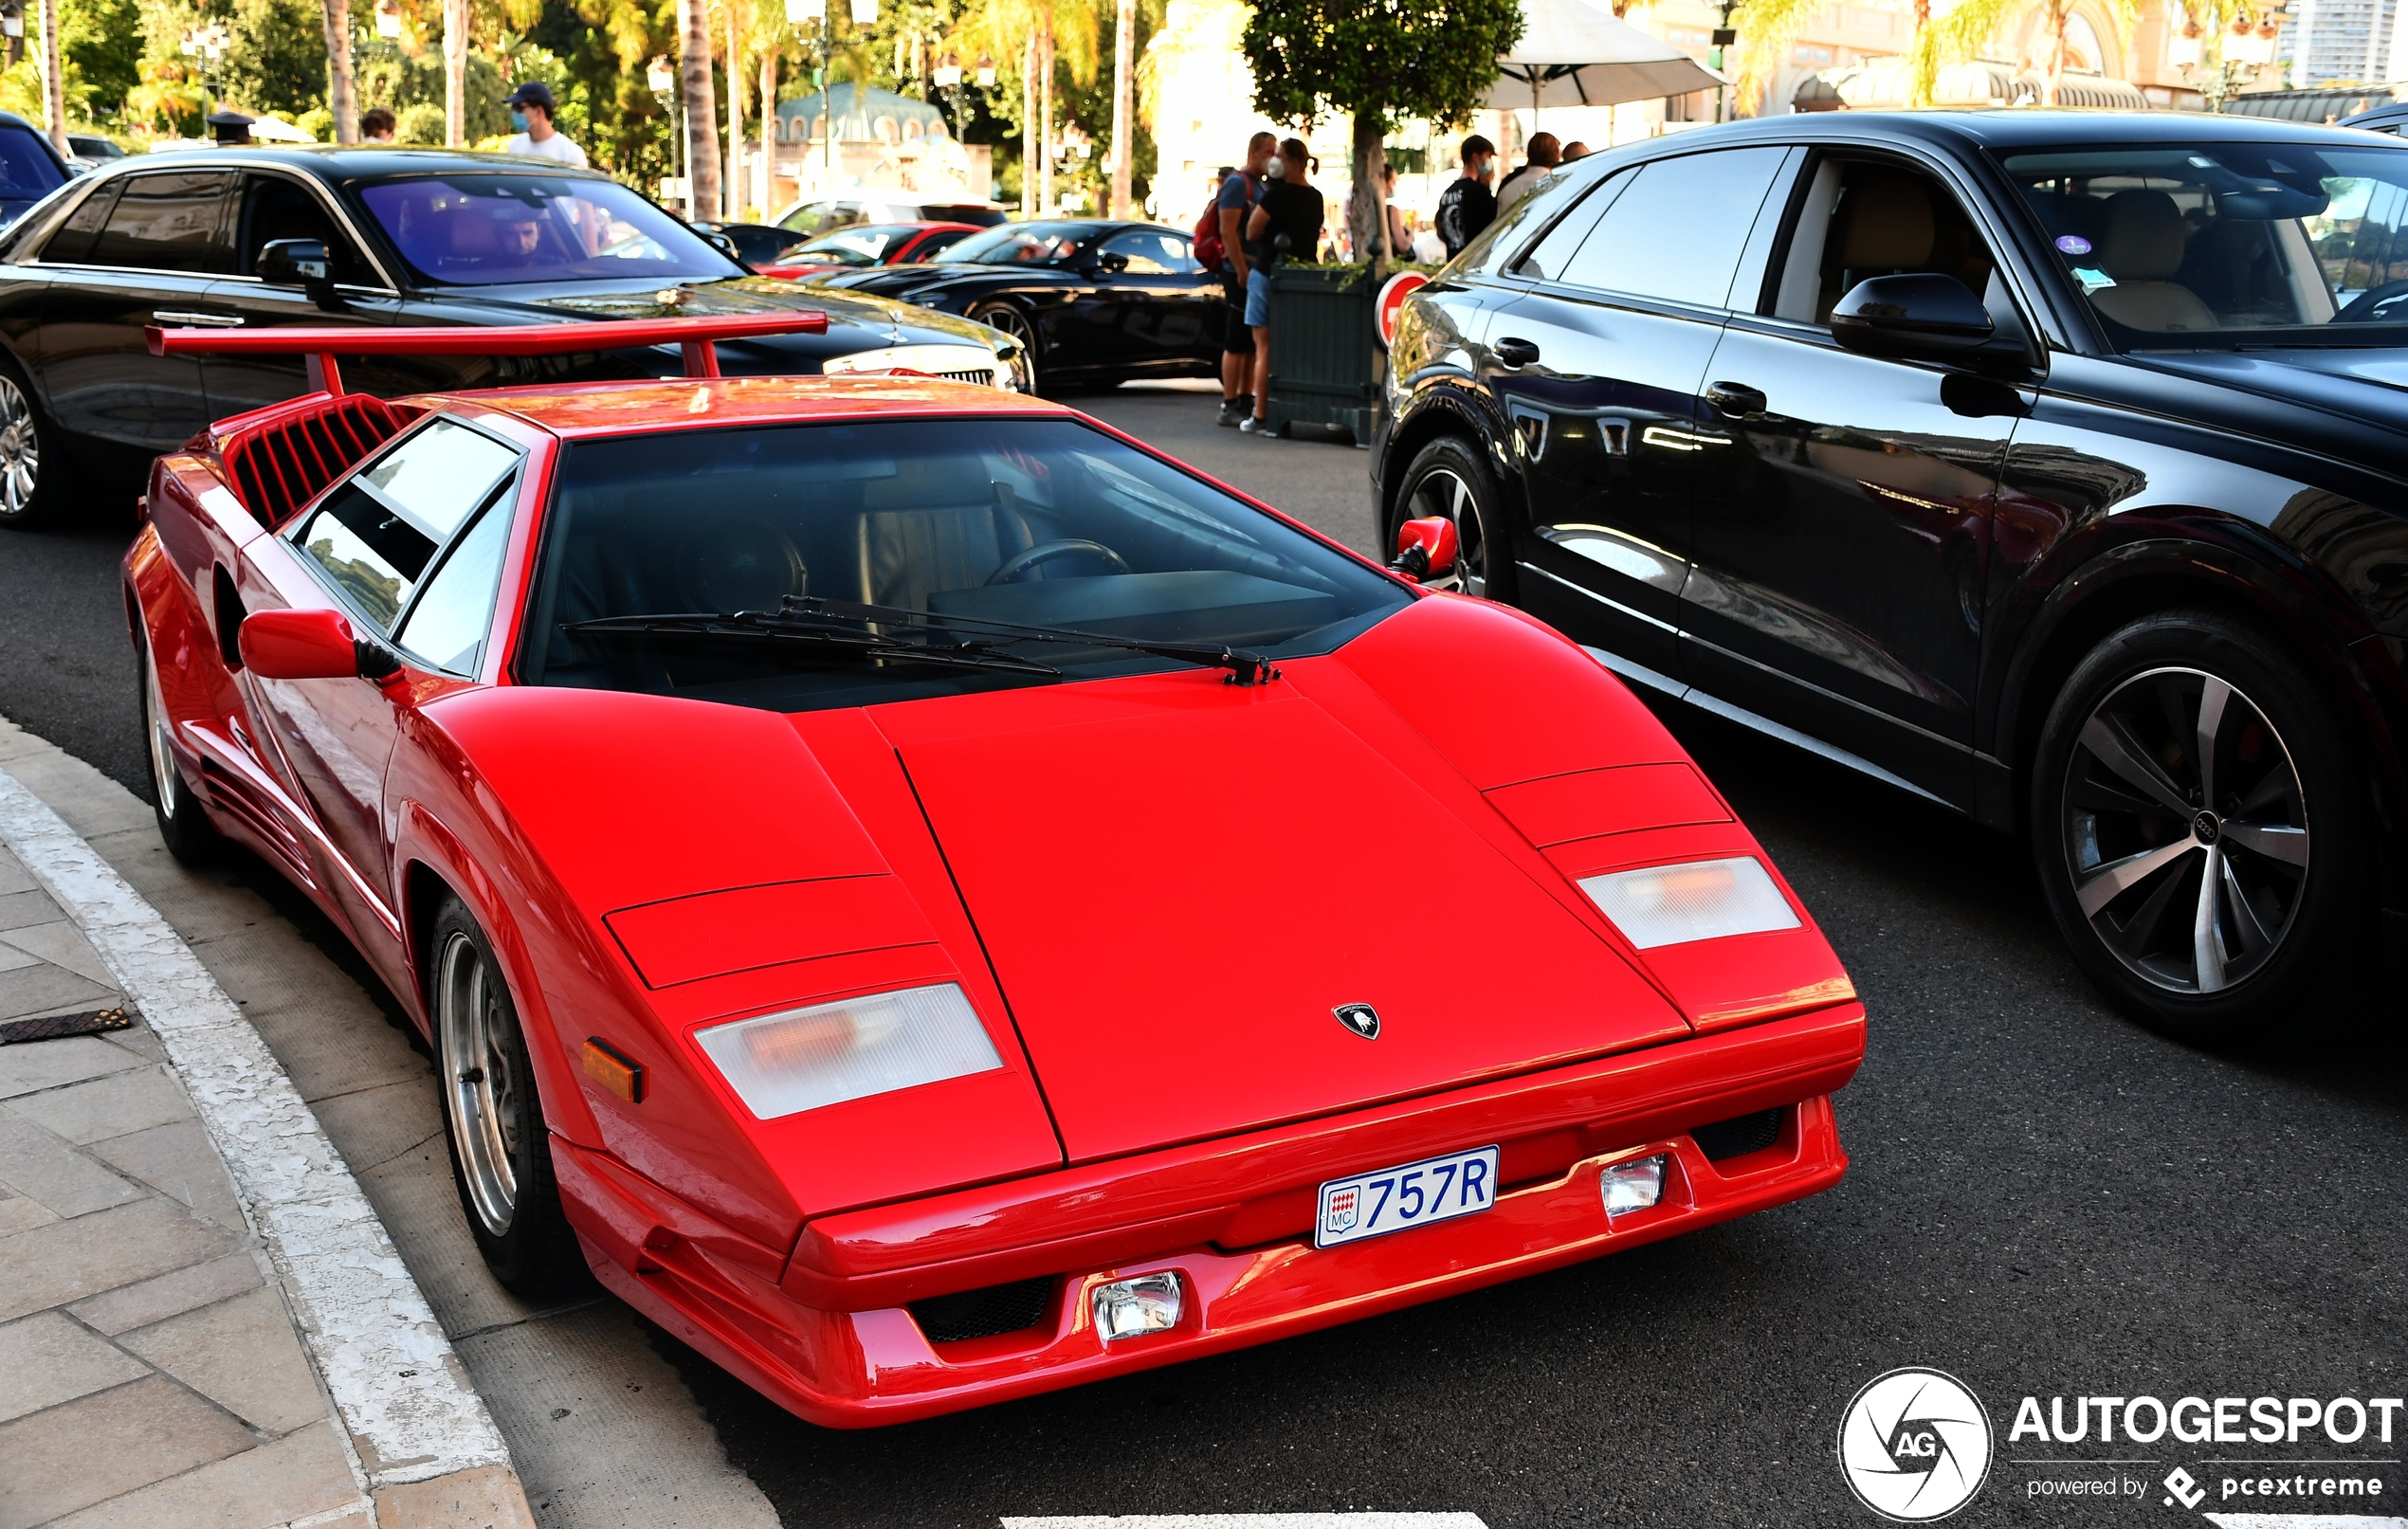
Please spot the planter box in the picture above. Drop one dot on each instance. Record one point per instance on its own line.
(1325, 355)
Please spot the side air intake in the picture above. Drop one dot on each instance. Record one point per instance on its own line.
(278, 467)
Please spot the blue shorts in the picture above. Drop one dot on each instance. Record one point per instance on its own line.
(1258, 297)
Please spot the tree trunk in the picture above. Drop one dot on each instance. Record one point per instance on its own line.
(701, 112)
(455, 72)
(1029, 127)
(2059, 13)
(1123, 99)
(734, 212)
(1045, 203)
(54, 93)
(1367, 228)
(767, 172)
(342, 95)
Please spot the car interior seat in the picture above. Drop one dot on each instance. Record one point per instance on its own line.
(2141, 246)
(1885, 227)
(938, 523)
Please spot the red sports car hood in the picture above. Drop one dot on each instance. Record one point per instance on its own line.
(1180, 890)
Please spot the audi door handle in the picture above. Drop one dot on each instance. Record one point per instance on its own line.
(1735, 399)
(1517, 353)
(198, 320)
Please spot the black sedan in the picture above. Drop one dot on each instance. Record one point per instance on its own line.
(2047, 466)
(1092, 302)
(366, 236)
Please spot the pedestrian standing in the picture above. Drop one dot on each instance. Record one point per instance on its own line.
(1575, 150)
(1544, 157)
(376, 125)
(531, 112)
(1232, 206)
(1291, 207)
(1399, 231)
(1469, 207)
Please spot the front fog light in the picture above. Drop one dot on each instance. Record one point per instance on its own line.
(1634, 1185)
(1126, 1308)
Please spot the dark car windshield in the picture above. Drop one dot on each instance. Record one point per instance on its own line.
(26, 172)
(2221, 244)
(1022, 244)
(482, 229)
(1037, 522)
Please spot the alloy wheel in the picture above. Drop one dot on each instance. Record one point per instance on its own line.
(2185, 830)
(163, 775)
(20, 450)
(1443, 493)
(1012, 322)
(486, 1097)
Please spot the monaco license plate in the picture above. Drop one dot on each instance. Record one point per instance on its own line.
(1398, 1199)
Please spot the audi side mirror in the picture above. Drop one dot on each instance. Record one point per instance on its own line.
(1426, 549)
(308, 644)
(306, 262)
(1910, 316)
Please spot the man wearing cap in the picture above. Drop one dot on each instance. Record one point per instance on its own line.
(531, 109)
(233, 130)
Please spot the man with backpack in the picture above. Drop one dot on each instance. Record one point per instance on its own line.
(1220, 244)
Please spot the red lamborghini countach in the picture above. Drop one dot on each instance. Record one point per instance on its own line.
(934, 901)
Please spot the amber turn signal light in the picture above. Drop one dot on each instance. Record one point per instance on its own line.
(605, 1066)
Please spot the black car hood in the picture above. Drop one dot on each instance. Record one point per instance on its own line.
(897, 280)
(2366, 383)
(855, 321)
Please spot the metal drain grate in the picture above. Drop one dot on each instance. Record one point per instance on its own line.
(1738, 1137)
(998, 1308)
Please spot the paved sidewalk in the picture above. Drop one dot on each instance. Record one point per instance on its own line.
(150, 1372)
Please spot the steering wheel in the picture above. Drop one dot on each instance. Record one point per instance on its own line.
(1045, 551)
(2368, 307)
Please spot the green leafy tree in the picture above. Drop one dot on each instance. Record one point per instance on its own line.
(1379, 61)
(1963, 32)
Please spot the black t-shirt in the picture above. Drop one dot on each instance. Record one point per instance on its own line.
(1296, 212)
(1465, 210)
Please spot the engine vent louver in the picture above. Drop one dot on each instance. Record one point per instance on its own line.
(1738, 1137)
(280, 465)
(997, 1308)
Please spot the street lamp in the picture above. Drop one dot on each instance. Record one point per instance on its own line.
(986, 74)
(207, 44)
(388, 20)
(2237, 57)
(660, 79)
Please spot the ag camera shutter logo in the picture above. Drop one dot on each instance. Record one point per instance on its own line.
(1915, 1445)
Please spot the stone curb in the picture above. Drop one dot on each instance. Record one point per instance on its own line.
(428, 1447)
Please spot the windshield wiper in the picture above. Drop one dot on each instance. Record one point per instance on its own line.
(752, 626)
(1244, 668)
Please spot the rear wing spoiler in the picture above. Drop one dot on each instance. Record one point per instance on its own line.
(696, 338)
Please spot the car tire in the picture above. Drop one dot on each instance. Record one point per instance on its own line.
(492, 1114)
(2282, 945)
(1005, 319)
(33, 468)
(1450, 477)
(183, 825)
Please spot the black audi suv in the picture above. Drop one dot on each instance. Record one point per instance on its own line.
(2048, 466)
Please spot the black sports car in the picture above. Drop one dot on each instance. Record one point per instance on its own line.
(2048, 466)
(1092, 302)
(367, 236)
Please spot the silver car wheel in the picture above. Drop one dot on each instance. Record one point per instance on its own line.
(20, 450)
(1443, 494)
(1008, 321)
(164, 778)
(2185, 830)
(483, 1091)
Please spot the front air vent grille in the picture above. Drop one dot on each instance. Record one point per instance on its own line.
(997, 1309)
(277, 467)
(983, 377)
(1740, 1137)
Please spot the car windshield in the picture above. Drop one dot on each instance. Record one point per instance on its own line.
(1022, 244)
(1035, 523)
(2215, 245)
(482, 229)
(25, 172)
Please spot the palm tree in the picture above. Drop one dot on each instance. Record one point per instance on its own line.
(1766, 29)
(1961, 35)
(1049, 34)
(1124, 87)
(702, 111)
(342, 97)
(54, 83)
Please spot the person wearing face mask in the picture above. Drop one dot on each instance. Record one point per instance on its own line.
(531, 111)
(1469, 207)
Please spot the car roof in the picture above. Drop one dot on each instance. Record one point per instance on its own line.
(2023, 127)
(588, 409)
(344, 163)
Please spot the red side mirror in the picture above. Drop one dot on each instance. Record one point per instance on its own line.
(1426, 549)
(300, 645)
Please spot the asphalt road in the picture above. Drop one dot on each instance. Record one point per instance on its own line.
(2044, 1201)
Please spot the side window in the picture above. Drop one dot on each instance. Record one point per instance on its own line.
(446, 627)
(1861, 218)
(1547, 260)
(1678, 231)
(1153, 254)
(274, 208)
(376, 537)
(72, 244)
(1555, 191)
(168, 222)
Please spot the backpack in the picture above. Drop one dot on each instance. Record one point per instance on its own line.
(1208, 249)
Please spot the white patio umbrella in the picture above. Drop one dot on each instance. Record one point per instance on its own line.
(1574, 53)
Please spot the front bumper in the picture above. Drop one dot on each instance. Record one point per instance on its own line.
(831, 1338)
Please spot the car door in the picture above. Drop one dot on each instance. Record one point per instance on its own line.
(270, 206)
(1838, 559)
(1164, 296)
(409, 549)
(1597, 371)
(143, 251)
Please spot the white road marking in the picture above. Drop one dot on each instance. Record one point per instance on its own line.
(392, 1372)
(1255, 1521)
(2302, 1520)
